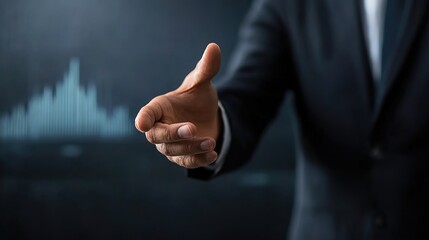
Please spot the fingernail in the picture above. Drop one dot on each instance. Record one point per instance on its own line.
(207, 145)
(211, 156)
(184, 132)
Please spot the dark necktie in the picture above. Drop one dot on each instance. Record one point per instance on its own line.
(394, 18)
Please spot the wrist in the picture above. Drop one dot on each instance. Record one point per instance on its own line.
(220, 131)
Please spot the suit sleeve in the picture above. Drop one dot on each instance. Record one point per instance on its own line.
(251, 92)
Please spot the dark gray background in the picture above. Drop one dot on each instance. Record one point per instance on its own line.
(132, 50)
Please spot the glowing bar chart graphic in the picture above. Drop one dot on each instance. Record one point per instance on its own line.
(71, 111)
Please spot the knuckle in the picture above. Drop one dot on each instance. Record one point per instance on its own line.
(165, 134)
(169, 149)
(184, 161)
(171, 159)
(162, 148)
(192, 162)
(189, 162)
(190, 148)
(151, 137)
(159, 135)
(180, 160)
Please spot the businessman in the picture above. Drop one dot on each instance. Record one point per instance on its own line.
(358, 73)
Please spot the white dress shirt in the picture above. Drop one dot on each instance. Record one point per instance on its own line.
(373, 25)
(373, 22)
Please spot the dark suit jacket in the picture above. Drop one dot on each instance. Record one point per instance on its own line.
(362, 152)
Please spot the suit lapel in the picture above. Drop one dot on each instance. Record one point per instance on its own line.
(407, 31)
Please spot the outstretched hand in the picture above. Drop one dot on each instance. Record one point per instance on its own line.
(184, 123)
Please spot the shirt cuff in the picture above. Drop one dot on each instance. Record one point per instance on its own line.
(217, 165)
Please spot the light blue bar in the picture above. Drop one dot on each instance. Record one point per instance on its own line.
(69, 111)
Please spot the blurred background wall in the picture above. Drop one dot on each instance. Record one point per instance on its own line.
(111, 57)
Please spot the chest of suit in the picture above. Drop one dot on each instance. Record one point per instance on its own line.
(334, 91)
(358, 142)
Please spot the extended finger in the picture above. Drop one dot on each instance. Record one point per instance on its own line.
(195, 161)
(168, 133)
(206, 69)
(209, 64)
(190, 147)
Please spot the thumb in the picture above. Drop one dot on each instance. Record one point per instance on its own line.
(207, 67)
(148, 115)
